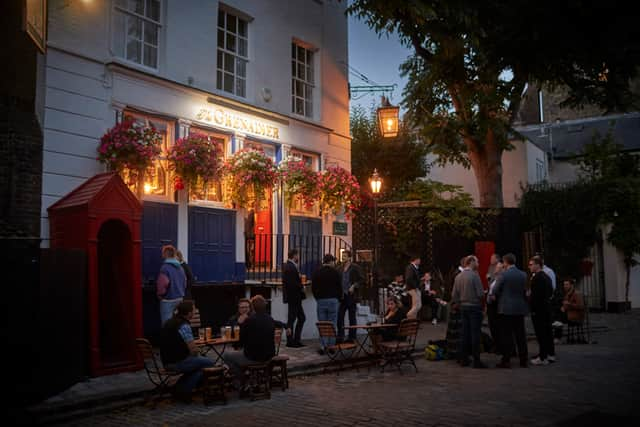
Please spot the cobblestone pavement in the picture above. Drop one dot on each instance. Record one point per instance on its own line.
(590, 384)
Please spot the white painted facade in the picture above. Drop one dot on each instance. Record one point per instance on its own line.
(525, 164)
(88, 84)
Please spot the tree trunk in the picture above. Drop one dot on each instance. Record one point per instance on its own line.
(486, 162)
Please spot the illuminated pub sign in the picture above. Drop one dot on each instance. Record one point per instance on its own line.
(229, 120)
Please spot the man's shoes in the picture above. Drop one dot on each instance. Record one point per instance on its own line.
(295, 344)
(321, 352)
(539, 362)
(479, 365)
(299, 344)
(551, 359)
(434, 321)
(504, 365)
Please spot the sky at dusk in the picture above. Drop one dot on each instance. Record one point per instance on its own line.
(378, 58)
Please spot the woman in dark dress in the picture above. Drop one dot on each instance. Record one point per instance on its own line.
(395, 314)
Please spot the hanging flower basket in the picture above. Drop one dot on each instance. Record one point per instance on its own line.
(249, 175)
(339, 191)
(299, 181)
(130, 147)
(195, 157)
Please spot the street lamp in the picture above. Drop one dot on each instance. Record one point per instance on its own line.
(388, 118)
(376, 185)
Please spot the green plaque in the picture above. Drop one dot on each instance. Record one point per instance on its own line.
(340, 228)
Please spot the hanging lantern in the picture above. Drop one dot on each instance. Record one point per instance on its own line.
(388, 119)
(376, 182)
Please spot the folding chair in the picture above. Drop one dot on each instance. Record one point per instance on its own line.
(399, 351)
(337, 352)
(163, 379)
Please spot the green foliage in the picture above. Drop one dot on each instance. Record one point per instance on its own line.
(607, 193)
(473, 58)
(399, 161)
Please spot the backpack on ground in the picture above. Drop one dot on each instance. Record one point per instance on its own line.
(433, 352)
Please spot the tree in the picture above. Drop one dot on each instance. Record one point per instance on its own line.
(473, 59)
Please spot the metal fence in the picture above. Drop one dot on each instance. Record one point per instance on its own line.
(266, 254)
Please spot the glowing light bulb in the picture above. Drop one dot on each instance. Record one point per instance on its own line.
(389, 124)
(147, 188)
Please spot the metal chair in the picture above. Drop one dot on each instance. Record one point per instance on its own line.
(399, 351)
(337, 352)
(163, 379)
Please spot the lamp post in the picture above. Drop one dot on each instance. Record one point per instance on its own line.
(376, 185)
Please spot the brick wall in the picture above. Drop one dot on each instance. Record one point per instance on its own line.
(20, 166)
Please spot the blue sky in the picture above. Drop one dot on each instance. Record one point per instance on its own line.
(378, 58)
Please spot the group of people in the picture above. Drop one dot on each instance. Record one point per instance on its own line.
(334, 287)
(511, 296)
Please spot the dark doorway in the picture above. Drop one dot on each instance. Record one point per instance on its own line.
(115, 294)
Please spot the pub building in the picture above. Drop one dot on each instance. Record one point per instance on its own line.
(245, 74)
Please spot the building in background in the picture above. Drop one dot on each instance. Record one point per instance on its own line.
(267, 74)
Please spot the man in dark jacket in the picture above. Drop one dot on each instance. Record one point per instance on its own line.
(412, 273)
(509, 292)
(257, 335)
(179, 352)
(294, 294)
(541, 291)
(352, 278)
(326, 285)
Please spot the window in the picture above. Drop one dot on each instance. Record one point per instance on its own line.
(212, 191)
(137, 30)
(312, 162)
(232, 54)
(301, 80)
(156, 179)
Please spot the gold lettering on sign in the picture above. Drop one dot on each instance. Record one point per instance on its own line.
(233, 121)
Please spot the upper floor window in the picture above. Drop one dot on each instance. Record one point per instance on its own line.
(301, 80)
(137, 31)
(233, 54)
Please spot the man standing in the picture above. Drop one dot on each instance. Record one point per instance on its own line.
(179, 352)
(491, 271)
(412, 273)
(171, 283)
(492, 308)
(430, 296)
(541, 291)
(467, 293)
(294, 294)
(352, 277)
(326, 285)
(511, 299)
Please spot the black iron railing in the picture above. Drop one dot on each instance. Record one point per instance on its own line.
(266, 253)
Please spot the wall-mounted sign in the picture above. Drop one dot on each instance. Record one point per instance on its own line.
(35, 22)
(227, 119)
(340, 228)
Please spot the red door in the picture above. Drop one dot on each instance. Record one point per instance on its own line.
(263, 234)
(483, 251)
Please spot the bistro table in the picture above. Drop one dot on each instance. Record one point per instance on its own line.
(370, 328)
(218, 345)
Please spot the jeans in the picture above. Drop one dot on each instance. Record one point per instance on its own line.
(471, 325)
(544, 334)
(191, 368)
(348, 304)
(328, 310)
(167, 306)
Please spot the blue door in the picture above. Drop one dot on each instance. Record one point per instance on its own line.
(305, 234)
(212, 244)
(159, 228)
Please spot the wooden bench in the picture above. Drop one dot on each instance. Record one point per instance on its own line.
(214, 385)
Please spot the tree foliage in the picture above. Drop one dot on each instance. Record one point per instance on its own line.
(608, 192)
(472, 60)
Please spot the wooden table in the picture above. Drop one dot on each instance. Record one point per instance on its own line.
(370, 328)
(213, 344)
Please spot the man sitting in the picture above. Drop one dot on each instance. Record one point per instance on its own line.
(573, 306)
(179, 352)
(257, 340)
